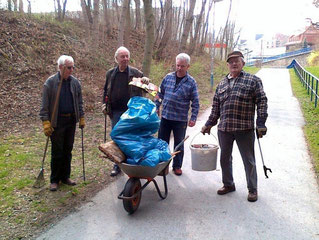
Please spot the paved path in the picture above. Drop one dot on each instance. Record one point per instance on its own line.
(288, 205)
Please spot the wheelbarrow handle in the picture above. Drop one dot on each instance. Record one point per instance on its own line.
(180, 144)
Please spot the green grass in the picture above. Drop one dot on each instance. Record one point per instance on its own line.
(313, 70)
(252, 70)
(311, 115)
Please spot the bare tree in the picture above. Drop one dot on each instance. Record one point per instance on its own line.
(137, 14)
(106, 17)
(29, 7)
(205, 28)
(187, 25)
(148, 50)
(15, 5)
(197, 28)
(21, 6)
(316, 3)
(222, 41)
(9, 5)
(127, 25)
(120, 40)
(168, 29)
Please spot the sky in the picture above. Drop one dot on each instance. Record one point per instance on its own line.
(252, 16)
(268, 16)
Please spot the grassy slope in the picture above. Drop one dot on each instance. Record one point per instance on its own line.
(311, 115)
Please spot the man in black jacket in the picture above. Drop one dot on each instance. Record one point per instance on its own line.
(61, 128)
(117, 90)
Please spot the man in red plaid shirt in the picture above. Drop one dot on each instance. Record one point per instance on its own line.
(234, 104)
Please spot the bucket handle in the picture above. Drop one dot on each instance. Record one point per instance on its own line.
(198, 134)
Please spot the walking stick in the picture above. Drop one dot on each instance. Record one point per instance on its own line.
(105, 119)
(83, 155)
(262, 158)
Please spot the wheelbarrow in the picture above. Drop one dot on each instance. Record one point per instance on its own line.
(132, 192)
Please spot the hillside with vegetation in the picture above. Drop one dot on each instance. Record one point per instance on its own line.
(29, 49)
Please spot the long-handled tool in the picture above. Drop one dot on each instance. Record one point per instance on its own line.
(105, 121)
(83, 155)
(40, 179)
(262, 158)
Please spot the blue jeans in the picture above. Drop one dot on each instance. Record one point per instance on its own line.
(245, 141)
(179, 131)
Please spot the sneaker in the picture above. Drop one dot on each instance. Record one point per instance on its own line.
(226, 189)
(115, 171)
(252, 196)
(178, 171)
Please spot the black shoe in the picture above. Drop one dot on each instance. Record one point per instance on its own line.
(115, 171)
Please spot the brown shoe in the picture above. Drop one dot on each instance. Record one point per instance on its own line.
(69, 182)
(226, 189)
(252, 196)
(178, 171)
(53, 187)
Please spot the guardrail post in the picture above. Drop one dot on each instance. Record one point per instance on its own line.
(316, 97)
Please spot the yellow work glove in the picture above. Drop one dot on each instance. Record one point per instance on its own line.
(206, 129)
(82, 122)
(47, 128)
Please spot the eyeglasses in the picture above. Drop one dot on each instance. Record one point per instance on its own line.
(70, 67)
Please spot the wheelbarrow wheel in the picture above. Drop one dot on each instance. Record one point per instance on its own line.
(132, 186)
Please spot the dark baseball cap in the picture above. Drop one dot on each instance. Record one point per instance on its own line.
(234, 54)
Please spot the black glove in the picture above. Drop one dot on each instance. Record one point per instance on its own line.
(261, 131)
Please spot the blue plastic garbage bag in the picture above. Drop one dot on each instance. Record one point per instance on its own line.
(133, 134)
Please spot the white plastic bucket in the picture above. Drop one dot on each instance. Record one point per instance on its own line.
(204, 156)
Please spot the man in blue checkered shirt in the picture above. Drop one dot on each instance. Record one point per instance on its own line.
(178, 91)
(235, 100)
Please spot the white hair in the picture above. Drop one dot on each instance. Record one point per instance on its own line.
(63, 58)
(118, 51)
(184, 56)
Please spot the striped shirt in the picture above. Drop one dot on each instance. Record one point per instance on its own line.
(176, 101)
(235, 107)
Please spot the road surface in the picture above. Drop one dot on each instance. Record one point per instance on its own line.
(287, 208)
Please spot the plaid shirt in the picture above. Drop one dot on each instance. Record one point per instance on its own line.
(235, 107)
(176, 101)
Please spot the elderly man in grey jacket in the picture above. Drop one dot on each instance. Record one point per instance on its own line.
(60, 126)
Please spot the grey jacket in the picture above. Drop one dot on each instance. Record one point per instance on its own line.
(50, 89)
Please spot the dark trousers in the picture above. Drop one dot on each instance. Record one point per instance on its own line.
(179, 131)
(62, 140)
(245, 141)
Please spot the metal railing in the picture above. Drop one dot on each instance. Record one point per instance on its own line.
(281, 56)
(308, 80)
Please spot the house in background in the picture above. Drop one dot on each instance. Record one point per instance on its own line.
(308, 38)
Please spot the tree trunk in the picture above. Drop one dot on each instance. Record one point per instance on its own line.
(59, 10)
(148, 50)
(187, 26)
(21, 6)
(64, 9)
(193, 43)
(138, 14)
(15, 5)
(127, 28)
(205, 29)
(10, 5)
(29, 7)
(120, 40)
(106, 18)
(168, 29)
(224, 32)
